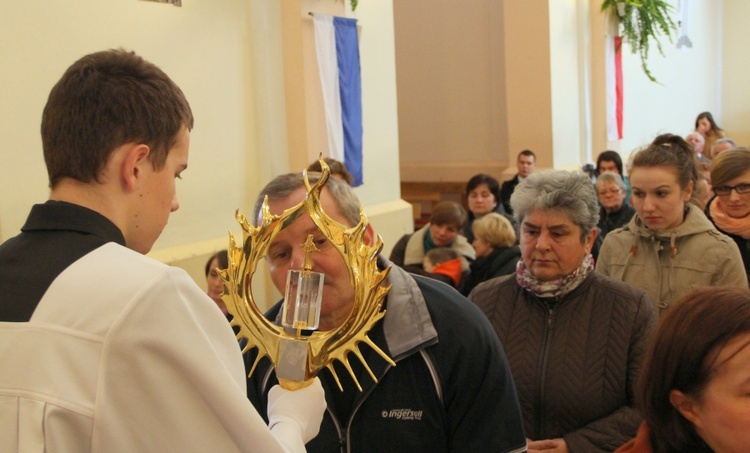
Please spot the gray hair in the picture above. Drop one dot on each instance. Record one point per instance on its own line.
(610, 176)
(282, 186)
(722, 141)
(558, 190)
(696, 134)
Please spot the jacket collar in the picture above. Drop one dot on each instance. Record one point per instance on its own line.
(407, 323)
(414, 252)
(695, 222)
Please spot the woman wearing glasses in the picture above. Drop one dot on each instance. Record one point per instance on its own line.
(669, 247)
(729, 210)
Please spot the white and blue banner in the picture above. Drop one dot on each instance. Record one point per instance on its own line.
(337, 46)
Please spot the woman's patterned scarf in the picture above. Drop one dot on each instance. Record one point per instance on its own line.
(554, 288)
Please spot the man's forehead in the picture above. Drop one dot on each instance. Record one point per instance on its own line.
(280, 204)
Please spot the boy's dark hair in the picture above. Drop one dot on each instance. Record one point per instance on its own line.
(103, 101)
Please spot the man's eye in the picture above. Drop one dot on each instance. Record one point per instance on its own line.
(276, 257)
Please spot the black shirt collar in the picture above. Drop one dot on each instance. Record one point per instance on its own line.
(64, 216)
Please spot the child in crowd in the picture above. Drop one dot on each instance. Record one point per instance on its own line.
(444, 264)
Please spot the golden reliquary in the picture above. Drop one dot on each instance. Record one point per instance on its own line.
(296, 354)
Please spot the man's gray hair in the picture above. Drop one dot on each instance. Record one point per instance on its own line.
(282, 186)
(721, 141)
(610, 176)
(558, 190)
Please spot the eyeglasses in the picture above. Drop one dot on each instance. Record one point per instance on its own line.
(726, 190)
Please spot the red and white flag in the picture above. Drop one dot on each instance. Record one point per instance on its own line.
(614, 87)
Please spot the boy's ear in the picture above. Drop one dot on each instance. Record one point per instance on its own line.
(136, 156)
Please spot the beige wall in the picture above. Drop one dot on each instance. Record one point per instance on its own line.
(568, 49)
(735, 94)
(452, 112)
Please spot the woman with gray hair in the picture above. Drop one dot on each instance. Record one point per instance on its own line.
(574, 338)
(615, 212)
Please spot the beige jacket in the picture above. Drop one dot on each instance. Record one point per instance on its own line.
(669, 264)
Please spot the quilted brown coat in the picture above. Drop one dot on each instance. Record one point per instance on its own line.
(575, 360)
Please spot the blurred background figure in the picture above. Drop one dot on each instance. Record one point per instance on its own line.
(614, 212)
(218, 260)
(692, 390)
(525, 162)
(482, 197)
(443, 264)
(338, 169)
(721, 145)
(496, 251)
(611, 161)
(669, 247)
(729, 210)
(707, 127)
(703, 191)
(698, 144)
(574, 338)
(443, 230)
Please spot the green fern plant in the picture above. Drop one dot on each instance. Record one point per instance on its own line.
(641, 24)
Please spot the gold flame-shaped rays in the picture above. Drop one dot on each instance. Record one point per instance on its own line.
(361, 260)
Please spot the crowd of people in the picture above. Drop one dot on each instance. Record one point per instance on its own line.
(573, 285)
(576, 280)
(552, 315)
